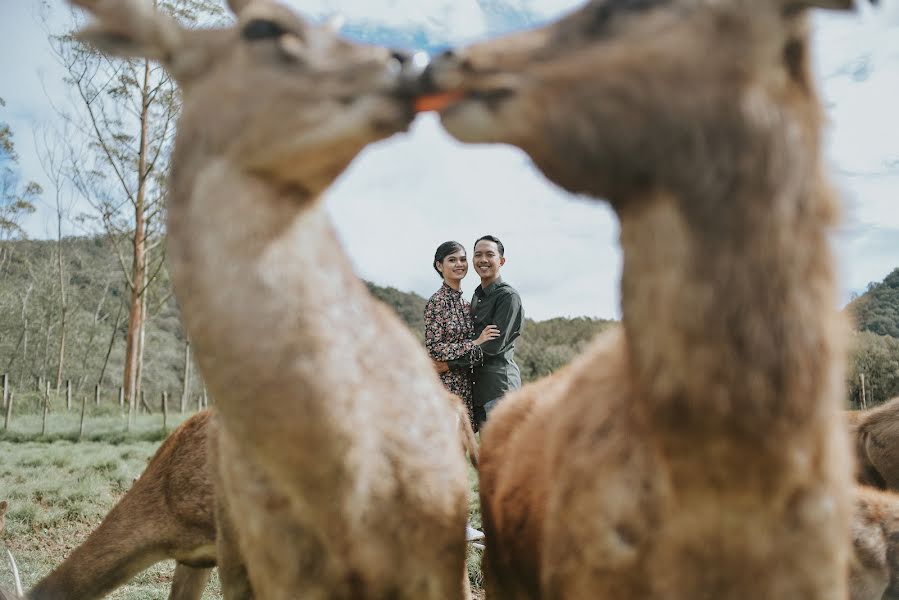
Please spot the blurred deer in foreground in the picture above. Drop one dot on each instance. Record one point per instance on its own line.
(170, 513)
(697, 451)
(876, 436)
(340, 465)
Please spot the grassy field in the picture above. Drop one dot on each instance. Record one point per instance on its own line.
(60, 489)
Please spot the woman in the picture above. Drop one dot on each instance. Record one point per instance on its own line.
(448, 325)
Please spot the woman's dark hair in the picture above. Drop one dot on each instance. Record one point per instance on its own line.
(444, 250)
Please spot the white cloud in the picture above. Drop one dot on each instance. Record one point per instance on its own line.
(404, 196)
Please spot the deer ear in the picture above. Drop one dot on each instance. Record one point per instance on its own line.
(130, 28)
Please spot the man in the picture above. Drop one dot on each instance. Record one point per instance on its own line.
(494, 302)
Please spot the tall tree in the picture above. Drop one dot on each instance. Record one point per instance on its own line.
(127, 110)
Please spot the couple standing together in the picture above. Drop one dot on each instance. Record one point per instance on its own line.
(472, 345)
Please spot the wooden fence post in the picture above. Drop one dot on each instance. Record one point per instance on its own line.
(185, 391)
(864, 400)
(68, 394)
(165, 412)
(8, 412)
(46, 410)
(81, 427)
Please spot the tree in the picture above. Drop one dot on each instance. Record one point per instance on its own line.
(16, 199)
(126, 109)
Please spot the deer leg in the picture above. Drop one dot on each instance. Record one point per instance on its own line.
(189, 582)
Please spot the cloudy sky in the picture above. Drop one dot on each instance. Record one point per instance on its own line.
(404, 196)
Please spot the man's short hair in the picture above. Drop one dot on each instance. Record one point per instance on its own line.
(495, 240)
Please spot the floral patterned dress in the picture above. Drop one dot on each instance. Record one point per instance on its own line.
(449, 335)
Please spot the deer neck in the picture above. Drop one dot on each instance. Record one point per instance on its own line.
(728, 308)
(259, 275)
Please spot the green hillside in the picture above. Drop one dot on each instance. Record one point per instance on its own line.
(96, 317)
(877, 310)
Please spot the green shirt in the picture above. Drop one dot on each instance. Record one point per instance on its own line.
(495, 371)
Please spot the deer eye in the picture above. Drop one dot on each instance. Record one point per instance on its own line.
(262, 29)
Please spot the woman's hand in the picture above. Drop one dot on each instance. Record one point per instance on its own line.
(491, 332)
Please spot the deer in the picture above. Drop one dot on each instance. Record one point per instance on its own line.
(876, 435)
(874, 573)
(169, 513)
(697, 450)
(339, 462)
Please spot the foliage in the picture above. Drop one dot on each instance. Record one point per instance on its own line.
(877, 357)
(16, 199)
(877, 310)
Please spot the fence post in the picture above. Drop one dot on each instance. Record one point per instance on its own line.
(861, 376)
(8, 412)
(68, 394)
(97, 394)
(185, 391)
(165, 412)
(81, 427)
(46, 410)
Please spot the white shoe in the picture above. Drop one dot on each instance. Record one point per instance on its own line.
(472, 534)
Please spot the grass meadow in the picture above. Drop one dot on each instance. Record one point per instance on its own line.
(60, 488)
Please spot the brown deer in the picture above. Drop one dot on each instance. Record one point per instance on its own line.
(339, 460)
(698, 450)
(167, 514)
(876, 436)
(875, 539)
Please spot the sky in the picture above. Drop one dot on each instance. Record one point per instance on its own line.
(404, 196)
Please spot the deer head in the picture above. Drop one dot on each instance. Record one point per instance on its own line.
(624, 95)
(269, 93)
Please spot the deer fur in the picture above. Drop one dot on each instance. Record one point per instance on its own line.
(876, 436)
(167, 514)
(875, 539)
(170, 513)
(340, 465)
(697, 451)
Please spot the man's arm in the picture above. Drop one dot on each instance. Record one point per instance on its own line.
(507, 316)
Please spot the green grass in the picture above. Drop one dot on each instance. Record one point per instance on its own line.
(60, 489)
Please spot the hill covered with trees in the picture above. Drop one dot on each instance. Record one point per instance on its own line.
(877, 310)
(64, 305)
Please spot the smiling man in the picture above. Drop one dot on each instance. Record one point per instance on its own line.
(494, 302)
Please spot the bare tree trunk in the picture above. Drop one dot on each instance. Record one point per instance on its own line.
(63, 303)
(138, 264)
(115, 329)
(68, 394)
(23, 337)
(141, 338)
(5, 390)
(97, 395)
